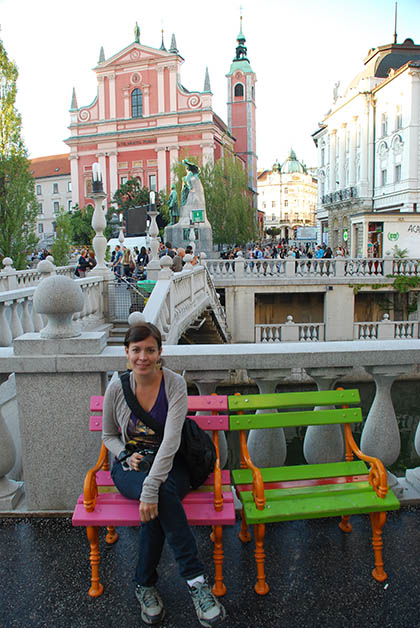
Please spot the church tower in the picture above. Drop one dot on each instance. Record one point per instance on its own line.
(241, 110)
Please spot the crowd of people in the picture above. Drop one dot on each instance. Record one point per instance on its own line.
(282, 250)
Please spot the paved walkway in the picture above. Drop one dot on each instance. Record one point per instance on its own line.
(318, 577)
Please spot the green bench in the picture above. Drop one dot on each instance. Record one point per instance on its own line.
(313, 490)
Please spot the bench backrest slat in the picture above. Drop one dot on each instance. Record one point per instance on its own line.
(294, 400)
(295, 419)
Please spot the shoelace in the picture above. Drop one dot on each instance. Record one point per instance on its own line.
(149, 598)
(204, 597)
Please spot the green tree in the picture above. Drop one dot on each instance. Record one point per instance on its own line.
(18, 204)
(81, 224)
(131, 194)
(60, 248)
(228, 204)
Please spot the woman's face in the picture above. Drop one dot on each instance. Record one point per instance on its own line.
(143, 356)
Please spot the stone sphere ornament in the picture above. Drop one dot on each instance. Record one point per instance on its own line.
(58, 297)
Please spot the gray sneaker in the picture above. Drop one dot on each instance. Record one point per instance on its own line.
(152, 609)
(207, 606)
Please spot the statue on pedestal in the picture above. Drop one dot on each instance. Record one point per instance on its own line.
(173, 205)
(193, 172)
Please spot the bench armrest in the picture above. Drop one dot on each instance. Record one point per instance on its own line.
(218, 494)
(377, 474)
(90, 488)
(257, 480)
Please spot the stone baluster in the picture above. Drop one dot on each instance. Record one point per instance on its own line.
(27, 322)
(240, 265)
(153, 267)
(381, 435)
(208, 387)
(99, 224)
(5, 332)
(290, 331)
(10, 461)
(188, 258)
(267, 448)
(15, 322)
(412, 476)
(10, 274)
(324, 443)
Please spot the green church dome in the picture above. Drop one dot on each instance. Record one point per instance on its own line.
(292, 164)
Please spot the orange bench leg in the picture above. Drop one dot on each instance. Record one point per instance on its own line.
(96, 588)
(344, 524)
(219, 587)
(377, 520)
(244, 534)
(112, 536)
(261, 587)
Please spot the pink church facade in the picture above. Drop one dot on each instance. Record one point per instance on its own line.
(141, 122)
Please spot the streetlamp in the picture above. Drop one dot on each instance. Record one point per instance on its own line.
(153, 267)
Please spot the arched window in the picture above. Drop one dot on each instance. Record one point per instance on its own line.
(239, 89)
(136, 103)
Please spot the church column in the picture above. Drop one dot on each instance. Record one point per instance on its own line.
(146, 100)
(207, 152)
(333, 140)
(74, 170)
(113, 172)
(161, 159)
(161, 89)
(112, 101)
(352, 155)
(101, 97)
(126, 100)
(172, 86)
(173, 158)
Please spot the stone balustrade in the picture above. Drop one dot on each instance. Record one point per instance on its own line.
(53, 390)
(320, 269)
(17, 315)
(11, 279)
(290, 332)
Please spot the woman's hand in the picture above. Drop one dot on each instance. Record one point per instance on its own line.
(134, 461)
(148, 511)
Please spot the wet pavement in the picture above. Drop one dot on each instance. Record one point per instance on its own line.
(318, 576)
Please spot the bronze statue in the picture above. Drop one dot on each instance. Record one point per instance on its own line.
(193, 171)
(173, 205)
(137, 34)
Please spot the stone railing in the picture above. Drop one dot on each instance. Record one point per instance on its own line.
(11, 279)
(54, 406)
(178, 299)
(17, 315)
(290, 332)
(291, 268)
(386, 330)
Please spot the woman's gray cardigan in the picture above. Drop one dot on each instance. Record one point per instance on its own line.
(116, 415)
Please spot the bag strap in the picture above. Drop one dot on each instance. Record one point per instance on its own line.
(135, 407)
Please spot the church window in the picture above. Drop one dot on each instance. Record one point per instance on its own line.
(88, 187)
(239, 90)
(123, 180)
(136, 103)
(152, 182)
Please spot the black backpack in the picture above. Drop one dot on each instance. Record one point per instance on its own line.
(196, 448)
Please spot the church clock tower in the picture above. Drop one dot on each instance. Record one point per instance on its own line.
(241, 110)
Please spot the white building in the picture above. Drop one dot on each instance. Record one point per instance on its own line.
(53, 190)
(368, 157)
(287, 195)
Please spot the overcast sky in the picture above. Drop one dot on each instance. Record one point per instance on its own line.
(298, 49)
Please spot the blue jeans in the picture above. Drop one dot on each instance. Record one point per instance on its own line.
(171, 524)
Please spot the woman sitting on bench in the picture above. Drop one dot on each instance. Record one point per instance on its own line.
(161, 487)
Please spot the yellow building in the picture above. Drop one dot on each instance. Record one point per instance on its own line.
(287, 195)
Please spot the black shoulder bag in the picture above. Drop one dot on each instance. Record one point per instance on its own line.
(196, 448)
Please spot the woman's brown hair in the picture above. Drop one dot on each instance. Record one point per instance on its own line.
(141, 331)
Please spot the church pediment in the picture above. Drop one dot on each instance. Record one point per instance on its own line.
(135, 53)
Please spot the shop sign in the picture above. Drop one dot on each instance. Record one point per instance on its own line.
(393, 237)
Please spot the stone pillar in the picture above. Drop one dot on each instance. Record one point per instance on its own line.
(342, 158)
(161, 89)
(57, 448)
(364, 150)
(173, 86)
(161, 161)
(11, 490)
(173, 159)
(113, 173)
(324, 443)
(153, 267)
(10, 273)
(112, 99)
(99, 241)
(240, 314)
(101, 97)
(267, 448)
(413, 160)
(381, 435)
(74, 170)
(339, 312)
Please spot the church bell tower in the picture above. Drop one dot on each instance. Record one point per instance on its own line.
(241, 110)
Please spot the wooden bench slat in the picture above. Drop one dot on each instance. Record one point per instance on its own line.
(295, 419)
(315, 507)
(303, 492)
(103, 478)
(302, 472)
(127, 514)
(293, 400)
(197, 403)
(312, 482)
(205, 421)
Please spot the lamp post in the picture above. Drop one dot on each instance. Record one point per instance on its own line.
(153, 267)
(98, 219)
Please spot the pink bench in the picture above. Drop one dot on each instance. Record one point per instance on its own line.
(100, 504)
